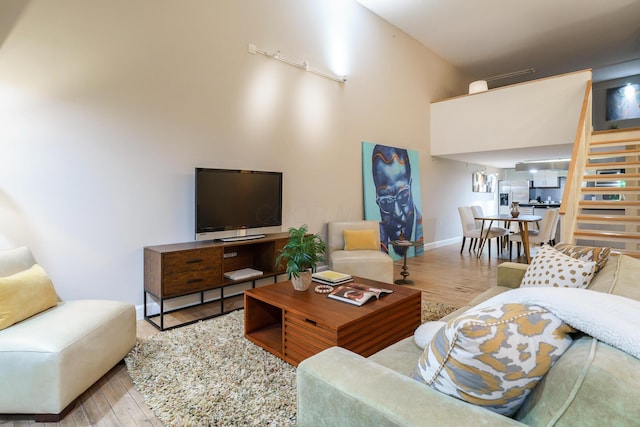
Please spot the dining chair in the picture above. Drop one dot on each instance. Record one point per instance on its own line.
(476, 234)
(537, 237)
(478, 212)
(469, 228)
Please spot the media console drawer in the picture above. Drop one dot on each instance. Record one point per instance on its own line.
(188, 282)
(198, 259)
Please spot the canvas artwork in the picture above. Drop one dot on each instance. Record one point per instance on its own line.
(391, 179)
(623, 102)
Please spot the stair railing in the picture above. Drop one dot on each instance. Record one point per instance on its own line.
(569, 206)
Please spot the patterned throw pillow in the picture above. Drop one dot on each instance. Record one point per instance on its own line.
(552, 268)
(586, 253)
(493, 357)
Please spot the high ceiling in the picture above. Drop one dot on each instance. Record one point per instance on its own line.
(493, 37)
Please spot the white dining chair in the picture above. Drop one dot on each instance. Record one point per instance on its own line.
(469, 230)
(478, 212)
(537, 237)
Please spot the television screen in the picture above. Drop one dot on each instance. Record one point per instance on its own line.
(236, 199)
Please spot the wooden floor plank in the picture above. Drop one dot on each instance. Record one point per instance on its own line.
(90, 402)
(139, 410)
(120, 401)
(104, 412)
(443, 274)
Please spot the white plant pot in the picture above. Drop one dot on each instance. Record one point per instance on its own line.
(302, 282)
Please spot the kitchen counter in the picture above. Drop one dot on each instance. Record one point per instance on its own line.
(540, 205)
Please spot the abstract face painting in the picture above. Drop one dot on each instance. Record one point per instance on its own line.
(392, 195)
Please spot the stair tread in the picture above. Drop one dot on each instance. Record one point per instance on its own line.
(610, 189)
(609, 203)
(611, 177)
(616, 218)
(610, 142)
(608, 233)
(611, 165)
(615, 153)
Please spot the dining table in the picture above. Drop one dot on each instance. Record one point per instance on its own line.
(523, 226)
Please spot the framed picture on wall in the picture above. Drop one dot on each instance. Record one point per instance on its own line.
(623, 102)
(391, 178)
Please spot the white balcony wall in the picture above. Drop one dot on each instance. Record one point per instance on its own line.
(543, 112)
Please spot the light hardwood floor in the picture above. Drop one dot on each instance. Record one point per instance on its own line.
(443, 274)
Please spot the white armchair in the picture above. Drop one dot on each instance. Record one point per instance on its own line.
(370, 263)
(50, 356)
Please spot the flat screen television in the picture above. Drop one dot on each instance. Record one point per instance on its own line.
(229, 199)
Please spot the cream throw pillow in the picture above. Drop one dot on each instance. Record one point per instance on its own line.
(357, 240)
(25, 294)
(425, 332)
(493, 357)
(552, 268)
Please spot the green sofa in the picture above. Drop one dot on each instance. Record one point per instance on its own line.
(590, 384)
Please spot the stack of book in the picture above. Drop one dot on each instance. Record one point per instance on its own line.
(332, 278)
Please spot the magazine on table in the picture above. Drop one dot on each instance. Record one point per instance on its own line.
(357, 293)
(329, 277)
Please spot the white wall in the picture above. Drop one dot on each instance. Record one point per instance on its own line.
(107, 106)
(543, 112)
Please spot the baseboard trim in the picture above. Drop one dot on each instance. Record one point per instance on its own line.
(441, 243)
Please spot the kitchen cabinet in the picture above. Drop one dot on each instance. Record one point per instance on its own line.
(546, 179)
(526, 210)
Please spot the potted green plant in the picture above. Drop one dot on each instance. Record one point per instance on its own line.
(301, 253)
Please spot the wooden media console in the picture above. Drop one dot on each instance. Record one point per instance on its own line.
(178, 270)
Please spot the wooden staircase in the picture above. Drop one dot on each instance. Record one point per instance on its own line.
(608, 210)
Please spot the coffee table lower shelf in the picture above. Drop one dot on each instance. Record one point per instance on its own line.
(295, 325)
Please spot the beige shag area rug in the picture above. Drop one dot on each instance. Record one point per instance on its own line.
(435, 310)
(208, 374)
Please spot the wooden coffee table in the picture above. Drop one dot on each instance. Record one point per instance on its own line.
(295, 325)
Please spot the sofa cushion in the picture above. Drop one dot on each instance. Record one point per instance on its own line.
(550, 267)
(599, 255)
(51, 358)
(494, 356)
(619, 277)
(591, 382)
(13, 261)
(369, 264)
(358, 240)
(24, 294)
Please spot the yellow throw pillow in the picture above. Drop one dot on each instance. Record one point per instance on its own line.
(25, 294)
(358, 240)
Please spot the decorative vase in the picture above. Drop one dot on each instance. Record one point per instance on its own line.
(515, 211)
(302, 282)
